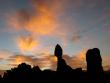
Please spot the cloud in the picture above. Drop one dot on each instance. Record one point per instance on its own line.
(4, 54)
(18, 59)
(77, 60)
(44, 61)
(41, 21)
(27, 43)
(75, 38)
(48, 61)
(106, 62)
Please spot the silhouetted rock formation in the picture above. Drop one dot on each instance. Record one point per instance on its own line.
(61, 64)
(94, 64)
(25, 72)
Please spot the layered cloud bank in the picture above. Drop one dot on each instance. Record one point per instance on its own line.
(47, 61)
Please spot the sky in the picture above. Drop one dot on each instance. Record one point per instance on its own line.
(30, 30)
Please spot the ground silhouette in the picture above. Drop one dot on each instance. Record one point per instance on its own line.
(64, 72)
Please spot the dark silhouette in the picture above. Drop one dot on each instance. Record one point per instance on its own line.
(94, 64)
(64, 72)
(61, 64)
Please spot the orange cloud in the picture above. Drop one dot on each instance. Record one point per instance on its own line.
(44, 62)
(48, 61)
(79, 60)
(106, 62)
(26, 44)
(13, 22)
(41, 21)
(4, 54)
(82, 55)
(18, 59)
(43, 24)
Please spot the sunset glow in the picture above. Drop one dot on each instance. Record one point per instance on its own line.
(30, 30)
(26, 44)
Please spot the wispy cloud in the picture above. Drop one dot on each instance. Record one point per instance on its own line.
(41, 21)
(4, 54)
